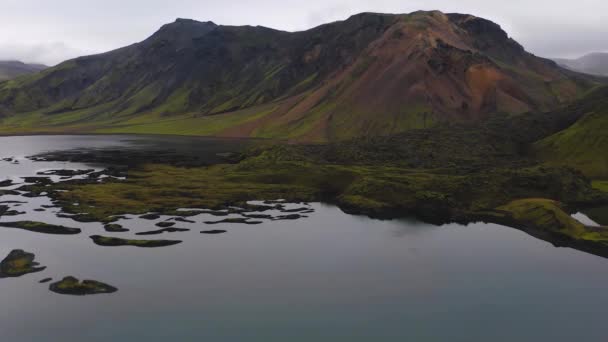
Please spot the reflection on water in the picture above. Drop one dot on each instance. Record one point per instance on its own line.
(328, 277)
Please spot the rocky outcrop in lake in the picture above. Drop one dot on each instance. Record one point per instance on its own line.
(72, 286)
(19, 263)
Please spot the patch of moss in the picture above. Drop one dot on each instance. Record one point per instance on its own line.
(600, 185)
(583, 145)
(74, 287)
(548, 220)
(19, 263)
(544, 214)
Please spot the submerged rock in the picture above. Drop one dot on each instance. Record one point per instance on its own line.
(84, 218)
(150, 217)
(116, 242)
(214, 232)
(13, 213)
(65, 173)
(38, 180)
(289, 217)
(296, 210)
(181, 219)
(19, 263)
(115, 228)
(39, 227)
(72, 286)
(9, 193)
(165, 230)
(7, 182)
(235, 220)
(165, 224)
(259, 216)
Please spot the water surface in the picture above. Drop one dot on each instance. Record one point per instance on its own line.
(329, 277)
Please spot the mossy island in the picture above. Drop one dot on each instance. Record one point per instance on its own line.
(117, 242)
(19, 263)
(41, 227)
(74, 287)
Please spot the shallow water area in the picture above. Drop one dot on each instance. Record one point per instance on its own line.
(325, 277)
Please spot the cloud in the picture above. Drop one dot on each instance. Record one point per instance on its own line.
(551, 28)
(43, 53)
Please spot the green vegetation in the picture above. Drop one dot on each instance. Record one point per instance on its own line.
(19, 263)
(584, 145)
(374, 190)
(12, 69)
(544, 214)
(40, 227)
(600, 185)
(548, 219)
(74, 287)
(455, 173)
(338, 81)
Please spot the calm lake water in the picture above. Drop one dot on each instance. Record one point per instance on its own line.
(328, 277)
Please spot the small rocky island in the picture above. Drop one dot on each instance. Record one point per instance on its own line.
(19, 263)
(116, 242)
(74, 287)
(40, 227)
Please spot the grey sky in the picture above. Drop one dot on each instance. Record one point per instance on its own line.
(51, 31)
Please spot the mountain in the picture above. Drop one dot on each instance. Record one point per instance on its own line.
(594, 63)
(12, 69)
(372, 74)
(584, 144)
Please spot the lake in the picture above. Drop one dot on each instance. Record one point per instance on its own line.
(328, 277)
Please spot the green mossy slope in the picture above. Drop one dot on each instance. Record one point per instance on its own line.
(584, 145)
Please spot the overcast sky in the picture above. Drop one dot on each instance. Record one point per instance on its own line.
(52, 31)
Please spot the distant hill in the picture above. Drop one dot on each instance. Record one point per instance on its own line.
(594, 63)
(583, 145)
(12, 69)
(372, 74)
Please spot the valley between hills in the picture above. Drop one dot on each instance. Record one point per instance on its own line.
(438, 116)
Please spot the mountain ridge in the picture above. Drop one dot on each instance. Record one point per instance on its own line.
(595, 63)
(14, 68)
(372, 74)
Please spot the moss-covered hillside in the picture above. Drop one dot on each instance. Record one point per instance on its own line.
(584, 145)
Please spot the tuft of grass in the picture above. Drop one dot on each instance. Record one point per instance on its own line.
(600, 185)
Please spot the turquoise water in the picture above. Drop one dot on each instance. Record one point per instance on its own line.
(329, 277)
